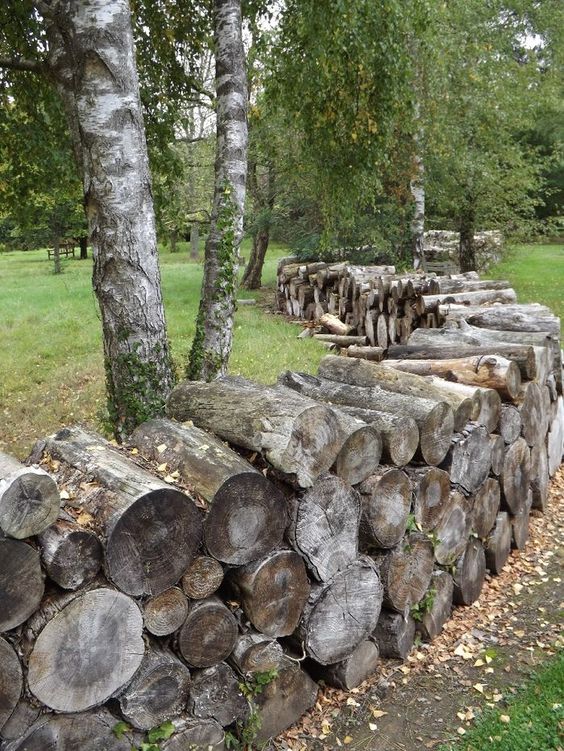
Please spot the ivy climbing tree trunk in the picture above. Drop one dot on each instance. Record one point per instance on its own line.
(265, 202)
(214, 326)
(92, 59)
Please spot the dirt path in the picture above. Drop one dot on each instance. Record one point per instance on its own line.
(485, 652)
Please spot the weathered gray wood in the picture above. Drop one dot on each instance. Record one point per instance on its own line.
(202, 578)
(355, 669)
(468, 460)
(70, 553)
(341, 341)
(555, 439)
(255, 653)
(284, 700)
(534, 420)
(539, 477)
(71, 667)
(515, 477)
(141, 517)
(334, 325)
(11, 681)
(324, 524)
(298, 436)
(165, 613)
(522, 318)
(498, 543)
(21, 582)
(215, 694)
(509, 426)
(29, 499)
(273, 591)
(365, 353)
(158, 691)
(195, 735)
(485, 507)
(386, 502)
(341, 613)
(208, 634)
(431, 494)
(430, 622)
(470, 573)
(406, 571)
(429, 303)
(20, 720)
(394, 634)
(245, 518)
(444, 285)
(400, 435)
(393, 391)
(451, 533)
(497, 453)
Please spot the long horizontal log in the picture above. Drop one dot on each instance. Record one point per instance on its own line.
(297, 436)
(341, 341)
(442, 285)
(435, 420)
(376, 354)
(506, 317)
(430, 303)
(246, 516)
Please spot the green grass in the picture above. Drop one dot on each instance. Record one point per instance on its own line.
(536, 272)
(532, 721)
(51, 354)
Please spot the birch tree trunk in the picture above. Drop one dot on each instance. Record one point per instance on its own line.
(92, 59)
(214, 326)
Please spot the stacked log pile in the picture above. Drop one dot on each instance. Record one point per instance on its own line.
(294, 533)
(443, 245)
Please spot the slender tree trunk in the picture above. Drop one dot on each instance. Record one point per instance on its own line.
(261, 238)
(92, 58)
(417, 187)
(214, 326)
(56, 254)
(195, 241)
(467, 250)
(83, 242)
(173, 241)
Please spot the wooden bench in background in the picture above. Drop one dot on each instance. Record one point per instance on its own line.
(66, 248)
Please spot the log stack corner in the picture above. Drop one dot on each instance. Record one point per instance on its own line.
(151, 582)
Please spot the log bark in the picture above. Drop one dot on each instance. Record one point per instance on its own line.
(87, 651)
(522, 318)
(442, 285)
(352, 599)
(202, 578)
(273, 591)
(451, 533)
(386, 502)
(400, 435)
(485, 506)
(394, 634)
(255, 653)
(523, 355)
(11, 681)
(341, 341)
(484, 371)
(334, 325)
(284, 700)
(509, 426)
(431, 494)
(142, 518)
(200, 735)
(470, 574)
(469, 458)
(381, 376)
(355, 669)
(539, 477)
(497, 449)
(298, 436)
(324, 524)
(375, 354)
(430, 303)
(208, 634)
(534, 420)
(71, 554)
(406, 572)
(215, 694)
(515, 477)
(245, 518)
(21, 583)
(430, 623)
(498, 543)
(158, 691)
(165, 613)
(29, 499)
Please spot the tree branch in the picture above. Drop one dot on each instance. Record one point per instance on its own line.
(35, 66)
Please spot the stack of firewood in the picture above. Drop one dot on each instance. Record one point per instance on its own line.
(300, 531)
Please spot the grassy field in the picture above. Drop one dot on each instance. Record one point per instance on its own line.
(51, 354)
(51, 361)
(532, 721)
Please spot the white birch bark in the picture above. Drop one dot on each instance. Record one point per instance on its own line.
(92, 59)
(417, 188)
(214, 328)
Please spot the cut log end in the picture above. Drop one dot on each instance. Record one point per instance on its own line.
(470, 574)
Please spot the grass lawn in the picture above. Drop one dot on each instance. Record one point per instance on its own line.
(51, 353)
(532, 721)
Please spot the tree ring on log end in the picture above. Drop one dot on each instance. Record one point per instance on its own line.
(21, 583)
(208, 634)
(314, 444)
(246, 519)
(11, 681)
(436, 433)
(40, 509)
(87, 652)
(153, 542)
